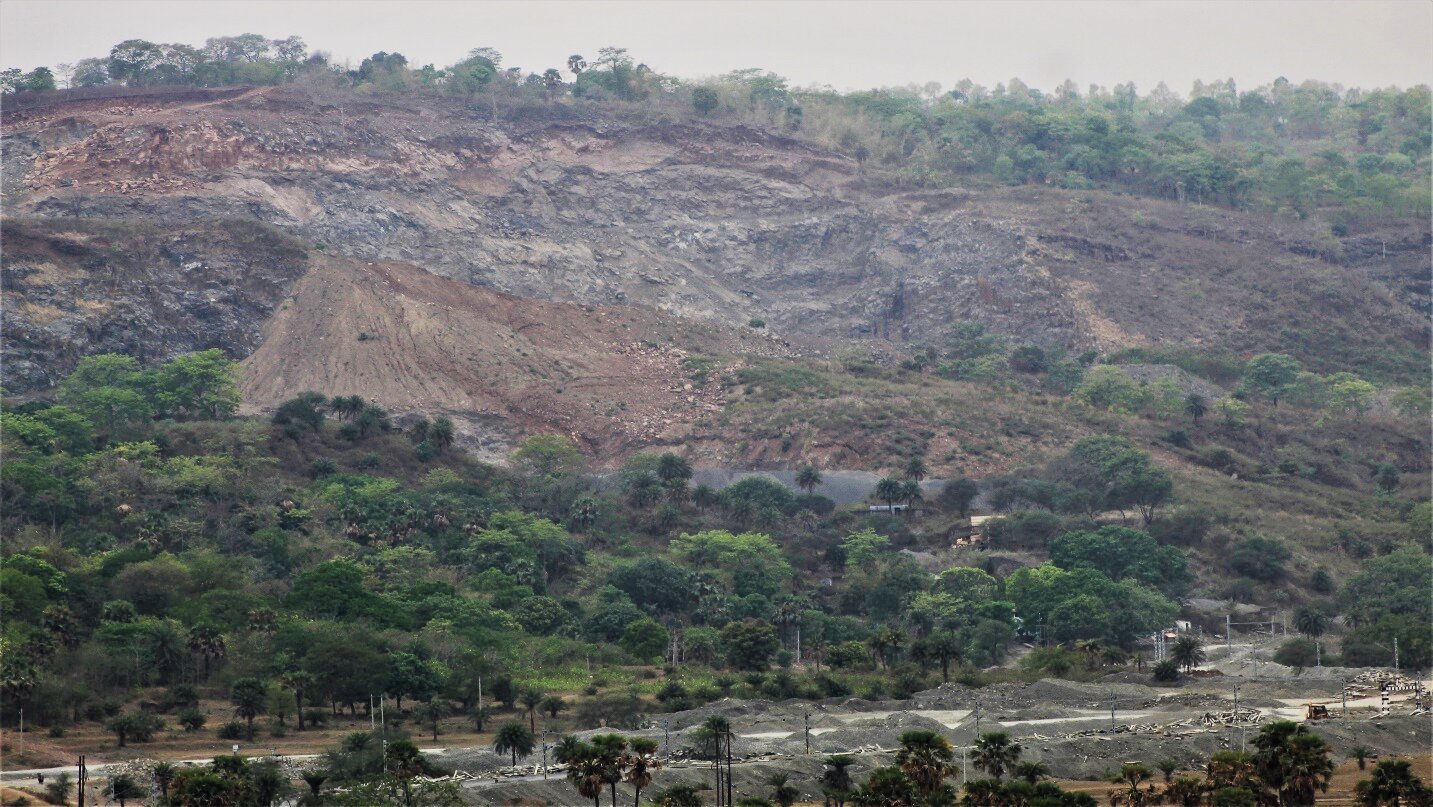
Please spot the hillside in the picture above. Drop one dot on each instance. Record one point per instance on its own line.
(459, 392)
(725, 223)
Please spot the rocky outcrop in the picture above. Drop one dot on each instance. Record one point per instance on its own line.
(75, 288)
(723, 224)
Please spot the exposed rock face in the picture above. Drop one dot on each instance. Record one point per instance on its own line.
(721, 224)
(73, 288)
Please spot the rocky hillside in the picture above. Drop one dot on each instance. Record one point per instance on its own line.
(716, 224)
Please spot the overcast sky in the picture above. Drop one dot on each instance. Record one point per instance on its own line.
(855, 44)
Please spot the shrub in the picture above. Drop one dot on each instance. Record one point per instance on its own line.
(1166, 671)
(1297, 652)
(1259, 558)
(233, 730)
(192, 719)
(621, 711)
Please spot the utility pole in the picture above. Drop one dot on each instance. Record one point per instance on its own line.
(544, 753)
(667, 742)
(83, 780)
(1236, 712)
(1112, 711)
(1318, 655)
(977, 717)
(1395, 669)
(1228, 634)
(370, 713)
(807, 717)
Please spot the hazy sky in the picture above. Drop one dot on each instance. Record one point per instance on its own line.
(853, 44)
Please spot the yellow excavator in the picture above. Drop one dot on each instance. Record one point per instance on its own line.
(1316, 711)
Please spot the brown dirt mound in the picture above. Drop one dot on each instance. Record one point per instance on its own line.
(416, 342)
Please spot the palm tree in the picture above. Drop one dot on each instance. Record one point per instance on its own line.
(1031, 771)
(1292, 761)
(314, 779)
(164, 773)
(911, 492)
(1167, 767)
(925, 757)
(480, 715)
(1392, 784)
(1310, 621)
(915, 469)
(441, 433)
(836, 782)
(1361, 753)
(719, 728)
(582, 766)
(1195, 406)
(1187, 652)
(889, 490)
(300, 682)
(553, 704)
(808, 478)
(641, 764)
(207, 642)
(1132, 776)
(611, 749)
(995, 753)
(122, 788)
(531, 699)
(515, 739)
(432, 712)
(250, 698)
(782, 791)
(983, 793)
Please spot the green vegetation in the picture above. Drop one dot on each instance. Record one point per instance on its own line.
(165, 541)
(1298, 150)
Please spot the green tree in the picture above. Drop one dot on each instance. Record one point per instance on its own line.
(645, 639)
(1187, 652)
(808, 479)
(1271, 375)
(1391, 785)
(441, 433)
(1310, 621)
(926, 758)
(207, 642)
(889, 490)
(641, 763)
(122, 788)
(433, 713)
(996, 754)
(1292, 762)
(514, 739)
(957, 494)
(1196, 407)
(552, 704)
(749, 644)
(836, 783)
(250, 697)
(134, 726)
(704, 100)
